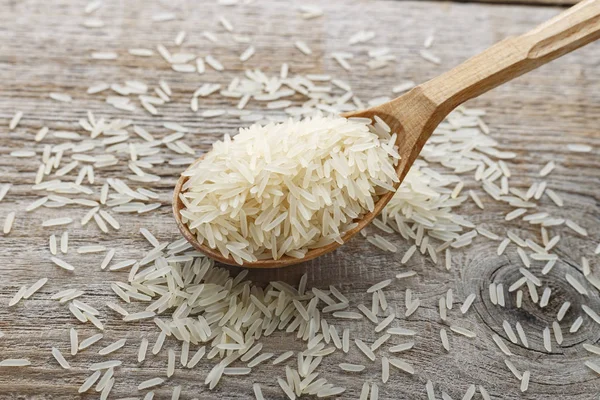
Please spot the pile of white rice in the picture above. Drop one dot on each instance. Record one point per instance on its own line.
(281, 189)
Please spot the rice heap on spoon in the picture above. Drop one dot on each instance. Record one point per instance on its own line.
(281, 189)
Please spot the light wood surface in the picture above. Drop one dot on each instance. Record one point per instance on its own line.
(44, 48)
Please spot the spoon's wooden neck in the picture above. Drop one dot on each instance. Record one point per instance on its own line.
(513, 57)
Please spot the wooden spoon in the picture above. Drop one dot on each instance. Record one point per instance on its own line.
(416, 114)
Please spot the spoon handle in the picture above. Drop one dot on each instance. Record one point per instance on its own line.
(512, 57)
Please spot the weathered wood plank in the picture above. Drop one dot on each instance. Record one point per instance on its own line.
(45, 48)
(526, 2)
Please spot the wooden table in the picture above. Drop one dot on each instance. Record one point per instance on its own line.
(44, 48)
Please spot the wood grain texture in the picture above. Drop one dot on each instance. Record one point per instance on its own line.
(525, 2)
(45, 48)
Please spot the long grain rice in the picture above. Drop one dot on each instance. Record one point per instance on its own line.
(60, 358)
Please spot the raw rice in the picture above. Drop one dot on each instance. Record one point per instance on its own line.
(150, 383)
(57, 222)
(579, 148)
(429, 390)
(18, 296)
(576, 284)
(509, 331)
(84, 344)
(593, 366)
(74, 341)
(14, 122)
(112, 347)
(545, 297)
(576, 325)
(469, 393)
(15, 362)
(303, 47)
(89, 382)
(575, 227)
(107, 55)
(249, 52)
(374, 392)
(283, 357)
(429, 56)
(591, 348)
(365, 349)
(171, 363)
(558, 336)
(62, 264)
(513, 369)
(352, 367)
(501, 345)
(62, 97)
(60, 358)
(591, 313)
(521, 333)
(142, 350)
(8, 222)
(34, 288)
(462, 331)
(444, 337)
(525, 381)
(547, 344)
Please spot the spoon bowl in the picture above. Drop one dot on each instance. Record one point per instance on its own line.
(284, 261)
(415, 115)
